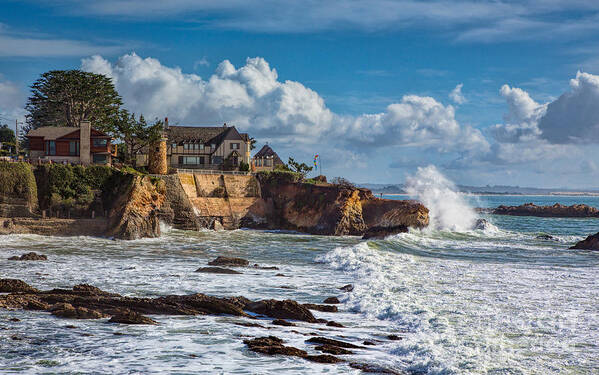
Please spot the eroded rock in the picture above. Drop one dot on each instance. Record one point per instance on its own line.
(29, 256)
(332, 342)
(589, 243)
(331, 349)
(229, 261)
(131, 317)
(15, 286)
(273, 345)
(323, 308)
(287, 309)
(331, 300)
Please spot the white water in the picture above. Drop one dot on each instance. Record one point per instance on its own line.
(448, 210)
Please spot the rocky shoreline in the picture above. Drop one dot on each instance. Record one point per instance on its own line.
(556, 210)
(85, 301)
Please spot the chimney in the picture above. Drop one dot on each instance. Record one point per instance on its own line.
(166, 122)
(85, 142)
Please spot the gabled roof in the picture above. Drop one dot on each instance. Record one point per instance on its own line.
(51, 132)
(202, 134)
(267, 152)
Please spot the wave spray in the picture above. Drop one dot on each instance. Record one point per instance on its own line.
(448, 209)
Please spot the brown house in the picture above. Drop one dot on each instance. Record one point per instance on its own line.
(203, 147)
(266, 160)
(83, 145)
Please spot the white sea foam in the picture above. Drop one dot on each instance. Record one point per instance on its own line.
(448, 210)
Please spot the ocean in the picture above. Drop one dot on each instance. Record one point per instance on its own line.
(498, 300)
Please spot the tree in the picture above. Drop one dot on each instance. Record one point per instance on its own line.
(135, 134)
(66, 97)
(301, 168)
(7, 135)
(252, 143)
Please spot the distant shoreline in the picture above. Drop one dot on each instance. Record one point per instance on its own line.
(559, 194)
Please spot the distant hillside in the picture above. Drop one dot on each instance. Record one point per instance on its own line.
(495, 189)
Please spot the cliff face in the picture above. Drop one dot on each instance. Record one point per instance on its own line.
(336, 210)
(135, 214)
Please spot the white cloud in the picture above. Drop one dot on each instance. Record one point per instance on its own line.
(520, 122)
(254, 99)
(11, 101)
(20, 45)
(456, 94)
(574, 116)
(201, 62)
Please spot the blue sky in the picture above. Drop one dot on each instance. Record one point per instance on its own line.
(365, 84)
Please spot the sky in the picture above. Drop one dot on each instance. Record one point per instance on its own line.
(490, 92)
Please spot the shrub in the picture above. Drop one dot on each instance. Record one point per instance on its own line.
(17, 181)
(342, 182)
(244, 167)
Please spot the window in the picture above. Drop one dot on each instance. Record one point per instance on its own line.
(191, 160)
(100, 142)
(186, 146)
(100, 159)
(174, 146)
(195, 146)
(50, 147)
(217, 160)
(201, 147)
(213, 146)
(74, 148)
(234, 146)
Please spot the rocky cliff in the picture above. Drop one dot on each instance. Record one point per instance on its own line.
(557, 210)
(335, 210)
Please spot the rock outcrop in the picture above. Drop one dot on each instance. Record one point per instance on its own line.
(557, 210)
(589, 243)
(29, 256)
(135, 214)
(334, 209)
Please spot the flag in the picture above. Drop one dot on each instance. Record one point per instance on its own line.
(315, 159)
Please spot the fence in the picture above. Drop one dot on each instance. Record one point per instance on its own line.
(211, 171)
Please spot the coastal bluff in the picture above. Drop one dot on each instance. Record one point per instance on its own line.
(124, 204)
(281, 201)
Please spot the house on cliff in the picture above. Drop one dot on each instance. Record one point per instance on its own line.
(266, 160)
(82, 145)
(203, 147)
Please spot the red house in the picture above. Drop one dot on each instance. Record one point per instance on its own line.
(83, 145)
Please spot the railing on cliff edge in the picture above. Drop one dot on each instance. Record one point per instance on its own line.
(212, 171)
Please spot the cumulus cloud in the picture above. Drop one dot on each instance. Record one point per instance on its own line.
(456, 94)
(521, 120)
(254, 99)
(574, 116)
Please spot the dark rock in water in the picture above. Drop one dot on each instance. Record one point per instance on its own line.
(15, 286)
(66, 310)
(265, 268)
(383, 232)
(370, 343)
(481, 224)
(248, 324)
(280, 275)
(15, 319)
(546, 237)
(322, 321)
(323, 308)
(326, 341)
(131, 317)
(331, 300)
(29, 256)
(282, 322)
(331, 349)
(335, 324)
(372, 368)
(589, 243)
(323, 358)
(228, 261)
(347, 288)
(217, 270)
(394, 337)
(287, 309)
(557, 210)
(273, 345)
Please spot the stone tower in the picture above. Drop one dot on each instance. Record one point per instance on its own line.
(157, 162)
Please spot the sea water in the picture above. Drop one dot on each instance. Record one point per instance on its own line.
(496, 301)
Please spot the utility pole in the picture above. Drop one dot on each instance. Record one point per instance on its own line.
(17, 138)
